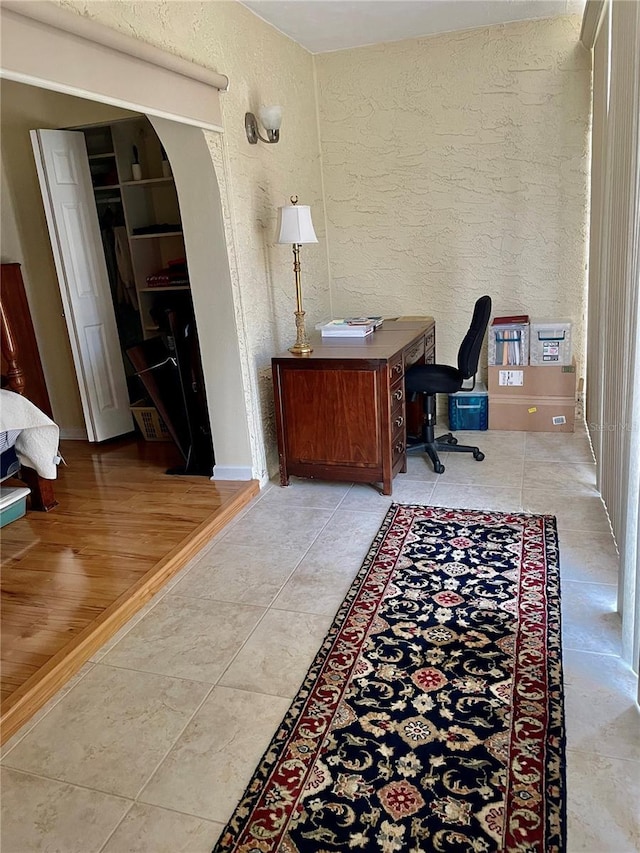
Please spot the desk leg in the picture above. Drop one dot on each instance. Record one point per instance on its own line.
(284, 476)
(387, 486)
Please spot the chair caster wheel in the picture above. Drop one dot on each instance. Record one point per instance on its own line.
(439, 468)
(478, 455)
(452, 440)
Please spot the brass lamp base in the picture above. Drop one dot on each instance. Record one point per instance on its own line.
(302, 345)
(301, 349)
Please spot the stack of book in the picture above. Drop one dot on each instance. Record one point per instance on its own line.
(349, 327)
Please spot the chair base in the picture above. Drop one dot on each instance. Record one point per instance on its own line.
(446, 443)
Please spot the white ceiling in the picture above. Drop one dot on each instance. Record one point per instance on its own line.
(323, 25)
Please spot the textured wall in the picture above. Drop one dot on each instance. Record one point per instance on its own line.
(264, 67)
(456, 165)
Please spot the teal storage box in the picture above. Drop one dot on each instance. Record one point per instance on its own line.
(13, 503)
(469, 409)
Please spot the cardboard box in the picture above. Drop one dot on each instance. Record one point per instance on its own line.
(536, 414)
(534, 398)
(549, 380)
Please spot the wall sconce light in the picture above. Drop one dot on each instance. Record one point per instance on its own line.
(295, 227)
(270, 118)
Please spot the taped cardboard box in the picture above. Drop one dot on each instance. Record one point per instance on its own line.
(549, 380)
(534, 398)
(535, 414)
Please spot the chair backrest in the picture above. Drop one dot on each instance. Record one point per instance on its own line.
(469, 352)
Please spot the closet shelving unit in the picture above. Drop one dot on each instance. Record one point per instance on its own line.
(149, 203)
(147, 210)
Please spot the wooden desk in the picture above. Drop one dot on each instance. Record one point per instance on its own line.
(340, 411)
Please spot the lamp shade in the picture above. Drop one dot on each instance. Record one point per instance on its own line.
(271, 117)
(295, 225)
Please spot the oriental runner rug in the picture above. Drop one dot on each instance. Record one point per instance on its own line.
(432, 717)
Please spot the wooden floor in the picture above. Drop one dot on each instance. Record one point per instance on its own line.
(72, 577)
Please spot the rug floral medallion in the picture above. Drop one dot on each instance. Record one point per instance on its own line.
(432, 717)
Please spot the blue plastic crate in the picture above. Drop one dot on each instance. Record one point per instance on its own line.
(469, 409)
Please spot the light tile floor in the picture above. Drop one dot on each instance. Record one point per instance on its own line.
(150, 746)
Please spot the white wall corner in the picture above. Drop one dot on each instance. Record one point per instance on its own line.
(232, 472)
(219, 155)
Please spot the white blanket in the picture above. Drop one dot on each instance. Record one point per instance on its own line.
(37, 444)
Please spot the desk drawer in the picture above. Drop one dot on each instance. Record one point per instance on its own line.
(398, 421)
(430, 346)
(415, 353)
(398, 429)
(396, 368)
(398, 447)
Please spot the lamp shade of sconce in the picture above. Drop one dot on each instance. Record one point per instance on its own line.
(270, 118)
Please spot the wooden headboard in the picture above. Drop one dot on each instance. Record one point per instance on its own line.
(24, 377)
(13, 377)
(21, 366)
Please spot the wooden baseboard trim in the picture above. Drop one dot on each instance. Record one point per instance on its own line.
(42, 685)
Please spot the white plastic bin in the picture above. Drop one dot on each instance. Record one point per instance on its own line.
(550, 343)
(508, 344)
(13, 503)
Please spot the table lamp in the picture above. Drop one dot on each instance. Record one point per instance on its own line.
(295, 227)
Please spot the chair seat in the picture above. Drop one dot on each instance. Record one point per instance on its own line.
(433, 379)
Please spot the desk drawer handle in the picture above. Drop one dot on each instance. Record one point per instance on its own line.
(399, 421)
(399, 448)
(397, 368)
(398, 394)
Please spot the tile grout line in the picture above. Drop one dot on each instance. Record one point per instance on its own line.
(116, 827)
(46, 778)
(614, 655)
(631, 761)
(598, 654)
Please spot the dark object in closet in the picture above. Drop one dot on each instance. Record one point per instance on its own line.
(122, 283)
(160, 228)
(171, 370)
(157, 369)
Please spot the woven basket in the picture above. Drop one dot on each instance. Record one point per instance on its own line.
(151, 425)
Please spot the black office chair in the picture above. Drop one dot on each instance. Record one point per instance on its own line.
(432, 379)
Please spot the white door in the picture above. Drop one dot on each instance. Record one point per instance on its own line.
(65, 183)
